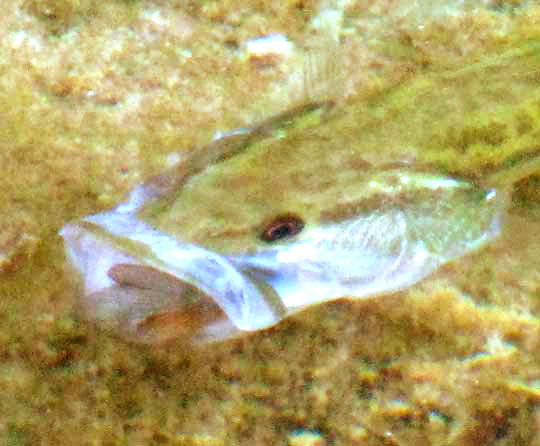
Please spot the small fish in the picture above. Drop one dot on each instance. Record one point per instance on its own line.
(265, 221)
(403, 222)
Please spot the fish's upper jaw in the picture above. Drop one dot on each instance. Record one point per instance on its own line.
(90, 256)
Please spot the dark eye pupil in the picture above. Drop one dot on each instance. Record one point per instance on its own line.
(282, 227)
(281, 231)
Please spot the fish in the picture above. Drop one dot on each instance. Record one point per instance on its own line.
(153, 271)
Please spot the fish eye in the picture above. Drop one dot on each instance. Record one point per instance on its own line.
(281, 227)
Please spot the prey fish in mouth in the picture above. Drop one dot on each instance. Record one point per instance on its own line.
(203, 254)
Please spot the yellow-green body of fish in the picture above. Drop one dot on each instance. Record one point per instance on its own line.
(308, 206)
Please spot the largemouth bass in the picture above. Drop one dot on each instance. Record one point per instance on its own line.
(316, 224)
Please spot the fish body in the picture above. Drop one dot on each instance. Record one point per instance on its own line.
(307, 207)
(395, 225)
